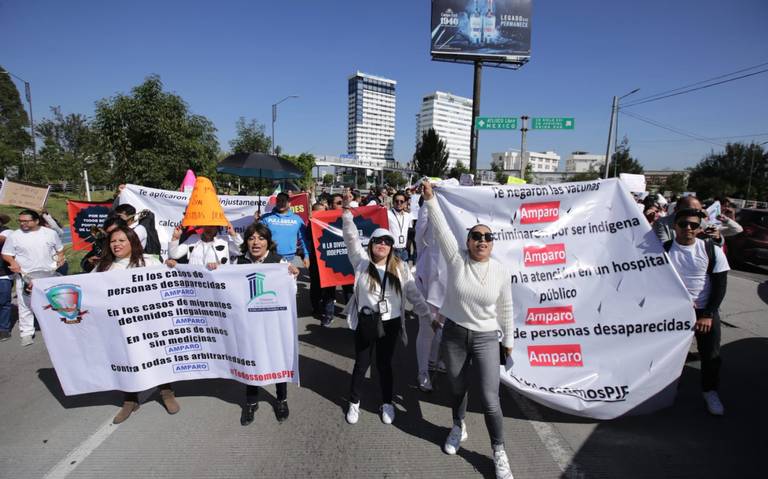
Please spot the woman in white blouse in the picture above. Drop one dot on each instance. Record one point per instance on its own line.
(207, 249)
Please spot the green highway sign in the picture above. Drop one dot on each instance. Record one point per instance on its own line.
(495, 123)
(552, 123)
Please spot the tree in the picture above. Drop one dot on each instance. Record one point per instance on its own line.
(305, 162)
(431, 157)
(528, 174)
(69, 147)
(624, 161)
(458, 170)
(251, 137)
(328, 179)
(676, 183)
(588, 175)
(14, 139)
(727, 173)
(152, 138)
(394, 178)
(498, 168)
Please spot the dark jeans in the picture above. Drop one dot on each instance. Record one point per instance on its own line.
(5, 304)
(385, 350)
(402, 253)
(473, 354)
(252, 393)
(708, 345)
(322, 298)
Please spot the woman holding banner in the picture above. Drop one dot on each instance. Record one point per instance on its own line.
(377, 313)
(125, 252)
(207, 249)
(477, 307)
(259, 248)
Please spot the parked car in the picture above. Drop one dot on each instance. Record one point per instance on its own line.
(751, 245)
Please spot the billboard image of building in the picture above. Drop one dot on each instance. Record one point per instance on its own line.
(489, 30)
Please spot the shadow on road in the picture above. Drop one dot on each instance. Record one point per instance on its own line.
(684, 440)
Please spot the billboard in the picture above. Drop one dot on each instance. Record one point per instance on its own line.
(490, 30)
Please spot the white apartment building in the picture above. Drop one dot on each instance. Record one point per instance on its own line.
(548, 161)
(371, 118)
(581, 162)
(451, 117)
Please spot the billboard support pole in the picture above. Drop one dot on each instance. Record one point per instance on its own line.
(475, 113)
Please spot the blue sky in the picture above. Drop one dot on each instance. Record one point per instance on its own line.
(235, 58)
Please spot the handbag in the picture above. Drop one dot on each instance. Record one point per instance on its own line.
(369, 322)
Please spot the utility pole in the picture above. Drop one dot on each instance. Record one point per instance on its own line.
(473, 139)
(523, 131)
(614, 107)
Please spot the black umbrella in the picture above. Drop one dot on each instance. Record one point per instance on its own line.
(259, 165)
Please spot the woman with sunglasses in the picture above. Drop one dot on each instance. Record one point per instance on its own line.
(382, 284)
(477, 307)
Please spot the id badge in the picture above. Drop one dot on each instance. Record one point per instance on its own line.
(401, 239)
(383, 308)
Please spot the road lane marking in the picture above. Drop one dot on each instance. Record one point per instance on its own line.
(78, 454)
(557, 447)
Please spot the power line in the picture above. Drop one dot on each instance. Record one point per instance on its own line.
(702, 81)
(671, 128)
(689, 90)
(753, 135)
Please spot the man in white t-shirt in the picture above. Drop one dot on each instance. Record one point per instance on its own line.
(400, 222)
(703, 268)
(30, 248)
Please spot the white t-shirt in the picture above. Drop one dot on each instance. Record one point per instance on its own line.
(399, 224)
(119, 264)
(370, 298)
(691, 263)
(141, 232)
(34, 250)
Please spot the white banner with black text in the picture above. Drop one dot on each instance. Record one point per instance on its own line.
(602, 321)
(133, 329)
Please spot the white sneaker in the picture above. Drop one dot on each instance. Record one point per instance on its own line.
(455, 438)
(353, 413)
(27, 340)
(425, 384)
(387, 413)
(714, 405)
(501, 464)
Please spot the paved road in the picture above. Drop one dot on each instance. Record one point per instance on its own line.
(46, 434)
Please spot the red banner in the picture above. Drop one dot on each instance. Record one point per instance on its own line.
(82, 216)
(330, 250)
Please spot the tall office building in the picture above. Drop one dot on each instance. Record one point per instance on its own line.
(581, 161)
(451, 117)
(371, 124)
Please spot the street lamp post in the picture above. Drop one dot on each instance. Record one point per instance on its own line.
(751, 167)
(613, 129)
(28, 96)
(274, 118)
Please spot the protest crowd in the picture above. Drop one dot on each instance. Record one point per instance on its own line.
(463, 338)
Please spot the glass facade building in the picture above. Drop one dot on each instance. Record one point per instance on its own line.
(371, 117)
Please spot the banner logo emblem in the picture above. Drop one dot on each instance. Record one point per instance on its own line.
(66, 299)
(256, 283)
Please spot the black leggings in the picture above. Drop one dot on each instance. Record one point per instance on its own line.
(385, 349)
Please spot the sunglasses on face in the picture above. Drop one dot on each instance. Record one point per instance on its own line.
(337, 202)
(688, 225)
(399, 201)
(477, 236)
(385, 240)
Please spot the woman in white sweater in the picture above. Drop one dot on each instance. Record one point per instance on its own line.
(478, 311)
(373, 268)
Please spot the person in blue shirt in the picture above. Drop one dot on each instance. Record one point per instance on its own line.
(287, 228)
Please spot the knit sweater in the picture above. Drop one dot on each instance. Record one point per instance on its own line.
(478, 295)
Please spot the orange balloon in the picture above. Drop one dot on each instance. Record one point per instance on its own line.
(204, 208)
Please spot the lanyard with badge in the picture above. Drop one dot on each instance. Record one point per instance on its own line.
(400, 225)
